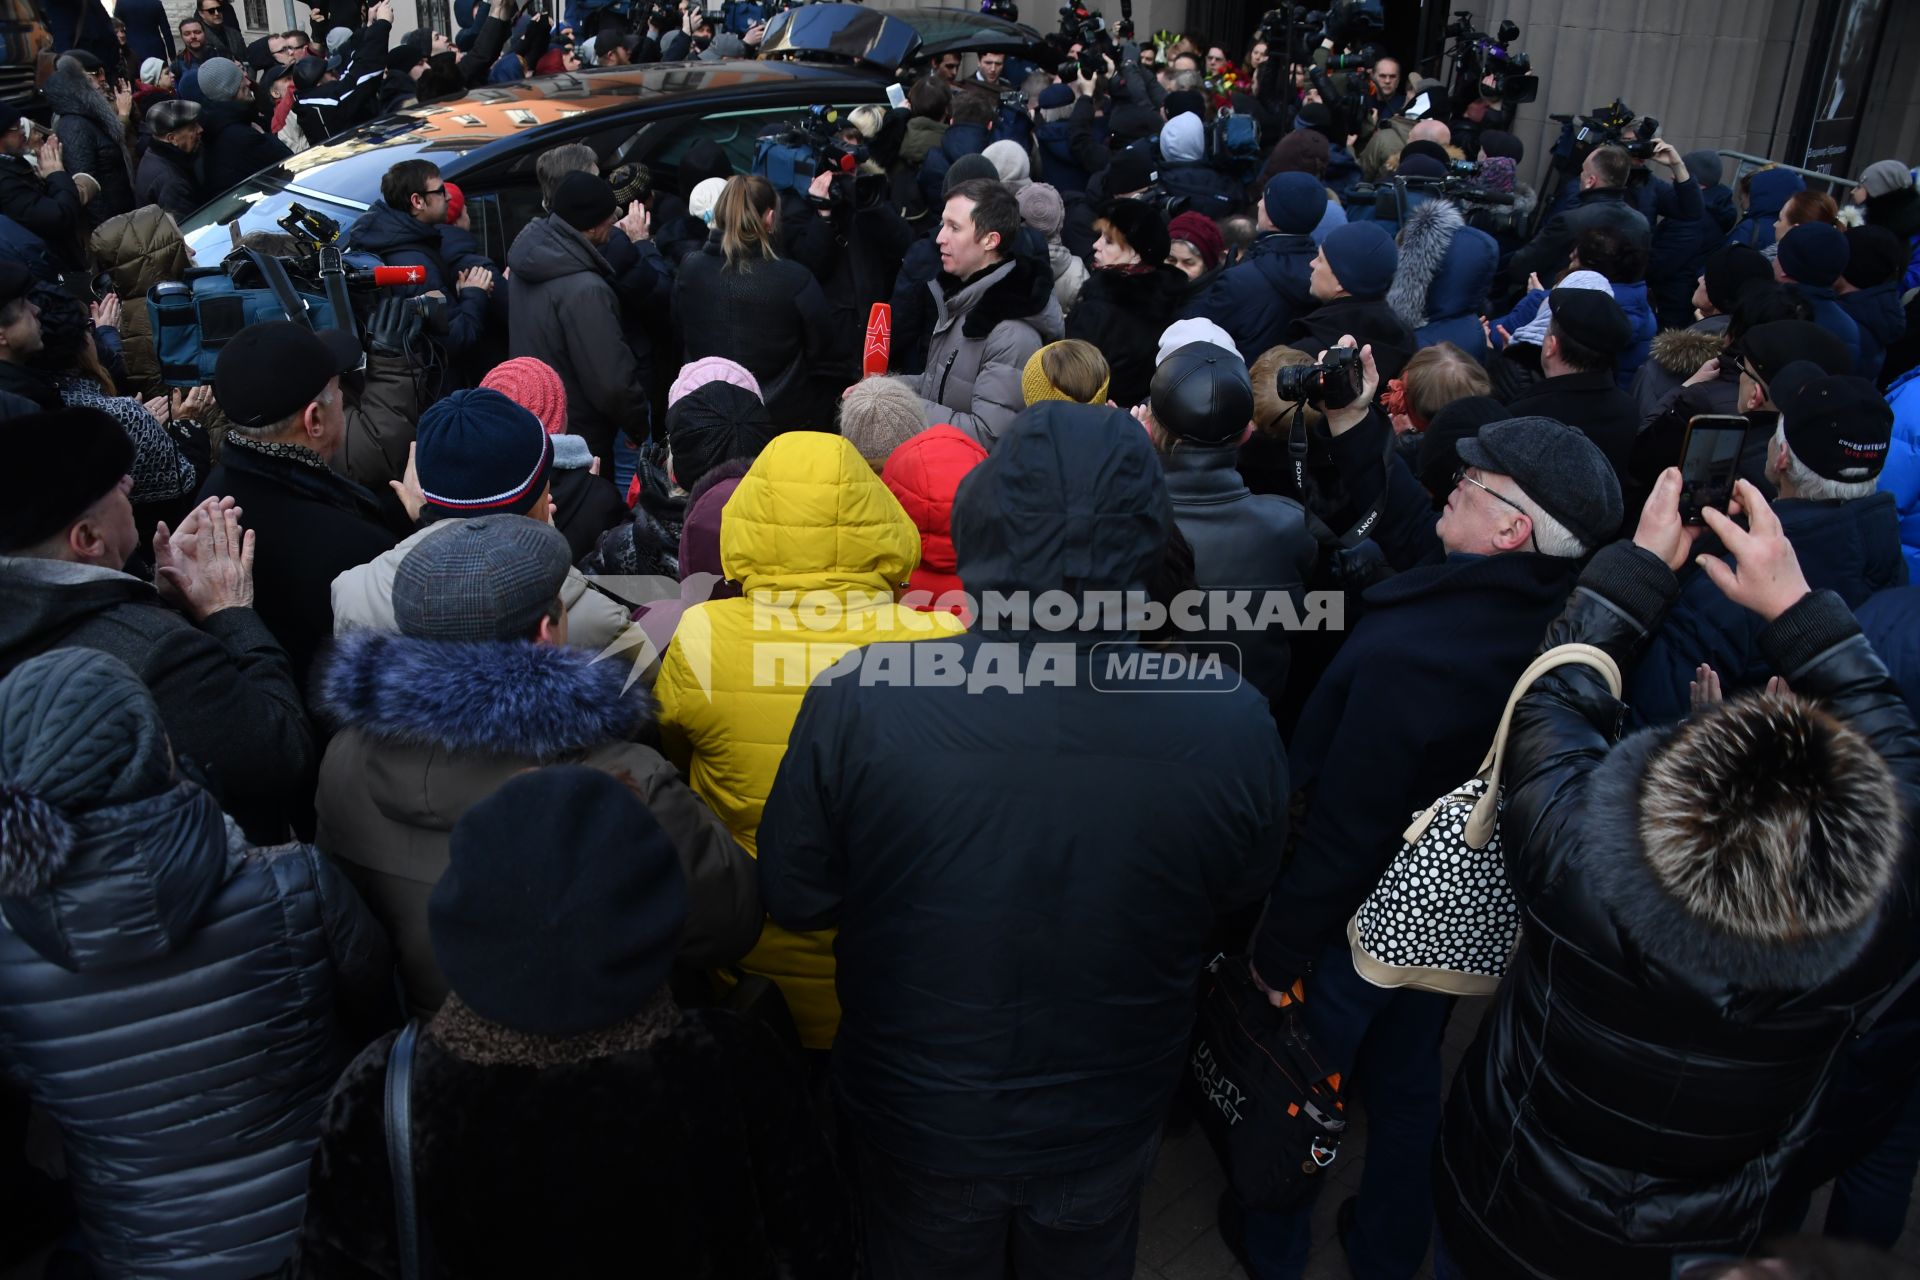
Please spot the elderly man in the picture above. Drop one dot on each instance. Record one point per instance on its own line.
(1413, 698)
(222, 684)
(170, 171)
(279, 385)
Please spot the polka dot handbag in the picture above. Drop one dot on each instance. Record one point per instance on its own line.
(1442, 917)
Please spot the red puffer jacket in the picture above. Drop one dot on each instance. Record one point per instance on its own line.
(924, 474)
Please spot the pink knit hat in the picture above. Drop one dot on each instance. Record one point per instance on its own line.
(698, 373)
(534, 386)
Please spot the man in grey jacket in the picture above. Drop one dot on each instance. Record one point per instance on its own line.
(994, 307)
(561, 308)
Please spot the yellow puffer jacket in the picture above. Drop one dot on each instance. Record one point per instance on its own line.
(820, 545)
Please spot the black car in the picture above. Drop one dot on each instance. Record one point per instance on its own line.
(834, 55)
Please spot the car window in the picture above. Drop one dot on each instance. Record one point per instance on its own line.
(660, 144)
(256, 206)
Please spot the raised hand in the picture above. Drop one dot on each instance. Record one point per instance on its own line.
(1765, 576)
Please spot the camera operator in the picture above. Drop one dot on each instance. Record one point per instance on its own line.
(1602, 202)
(402, 228)
(1133, 101)
(1392, 87)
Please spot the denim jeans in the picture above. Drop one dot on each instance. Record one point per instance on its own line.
(920, 1224)
(1387, 1039)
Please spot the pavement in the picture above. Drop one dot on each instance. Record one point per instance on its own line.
(1180, 1233)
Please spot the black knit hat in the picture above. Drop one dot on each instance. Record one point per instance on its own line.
(1202, 393)
(711, 424)
(562, 905)
(583, 200)
(1143, 227)
(59, 464)
(1730, 270)
(1875, 255)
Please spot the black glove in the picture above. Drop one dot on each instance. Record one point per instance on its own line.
(394, 328)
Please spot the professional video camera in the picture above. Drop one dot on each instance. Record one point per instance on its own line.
(791, 156)
(1088, 29)
(1603, 126)
(1478, 56)
(1299, 30)
(1491, 211)
(195, 316)
(1001, 9)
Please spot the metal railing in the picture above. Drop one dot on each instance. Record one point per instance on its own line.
(1760, 162)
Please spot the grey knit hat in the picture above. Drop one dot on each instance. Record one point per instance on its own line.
(220, 79)
(485, 578)
(1704, 166)
(1883, 177)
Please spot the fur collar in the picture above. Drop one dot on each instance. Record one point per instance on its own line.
(1681, 352)
(472, 1038)
(1021, 288)
(503, 697)
(1425, 238)
(72, 94)
(1660, 925)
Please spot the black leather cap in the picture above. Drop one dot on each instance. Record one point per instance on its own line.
(1202, 393)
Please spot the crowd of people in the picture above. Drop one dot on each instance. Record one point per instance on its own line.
(639, 789)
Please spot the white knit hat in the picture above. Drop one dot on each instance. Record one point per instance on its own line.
(706, 194)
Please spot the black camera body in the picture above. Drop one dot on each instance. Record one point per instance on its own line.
(1603, 126)
(1478, 56)
(1334, 383)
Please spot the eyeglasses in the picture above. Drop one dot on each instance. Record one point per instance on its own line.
(1461, 474)
(431, 192)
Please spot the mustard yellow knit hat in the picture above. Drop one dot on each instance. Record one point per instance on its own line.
(1034, 382)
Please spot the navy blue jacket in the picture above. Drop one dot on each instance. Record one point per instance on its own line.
(1058, 166)
(1680, 248)
(1256, 301)
(1851, 548)
(1205, 189)
(1881, 320)
(1766, 196)
(401, 240)
(1831, 316)
(1124, 823)
(1891, 621)
(959, 140)
(235, 146)
(1405, 711)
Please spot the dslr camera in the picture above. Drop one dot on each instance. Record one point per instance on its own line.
(1334, 383)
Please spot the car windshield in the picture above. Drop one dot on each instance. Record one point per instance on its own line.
(340, 180)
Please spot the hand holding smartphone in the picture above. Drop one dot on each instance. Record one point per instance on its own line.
(1710, 463)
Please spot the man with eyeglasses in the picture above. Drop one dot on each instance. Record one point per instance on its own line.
(403, 229)
(225, 38)
(1403, 715)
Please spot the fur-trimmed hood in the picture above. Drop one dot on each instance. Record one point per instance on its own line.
(70, 92)
(1681, 352)
(1445, 267)
(503, 698)
(1677, 937)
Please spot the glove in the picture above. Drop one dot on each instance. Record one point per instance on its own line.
(393, 328)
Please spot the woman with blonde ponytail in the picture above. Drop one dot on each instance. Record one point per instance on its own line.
(737, 298)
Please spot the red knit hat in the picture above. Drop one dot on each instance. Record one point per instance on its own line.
(456, 203)
(1203, 233)
(534, 386)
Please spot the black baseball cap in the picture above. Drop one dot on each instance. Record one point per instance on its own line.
(272, 370)
(1839, 426)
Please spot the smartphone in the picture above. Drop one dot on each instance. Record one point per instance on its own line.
(1709, 463)
(37, 133)
(896, 96)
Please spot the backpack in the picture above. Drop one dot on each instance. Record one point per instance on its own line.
(1233, 144)
(1443, 917)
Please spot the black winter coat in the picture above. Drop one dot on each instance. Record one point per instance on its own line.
(1257, 301)
(1849, 548)
(913, 310)
(770, 316)
(224, 688)
(856, 255)
(1681, 244)
(1595, 405)
(170, 178)
(1643, 1080)
(563, 309)
(683, 1137)
(49, 207)
(1548, 253)
(401, 240)
(92, 141)
(313, 524)
(235, 146)
(1369, 320)
(1124, 822)
(1404, 713)
(1245, 542)
(173, 1000)
(959, 140)
(1123, 311)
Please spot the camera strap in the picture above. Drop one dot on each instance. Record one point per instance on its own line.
(274, 272)
(1322, 532)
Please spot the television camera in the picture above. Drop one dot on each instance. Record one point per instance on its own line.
(1478, 58)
